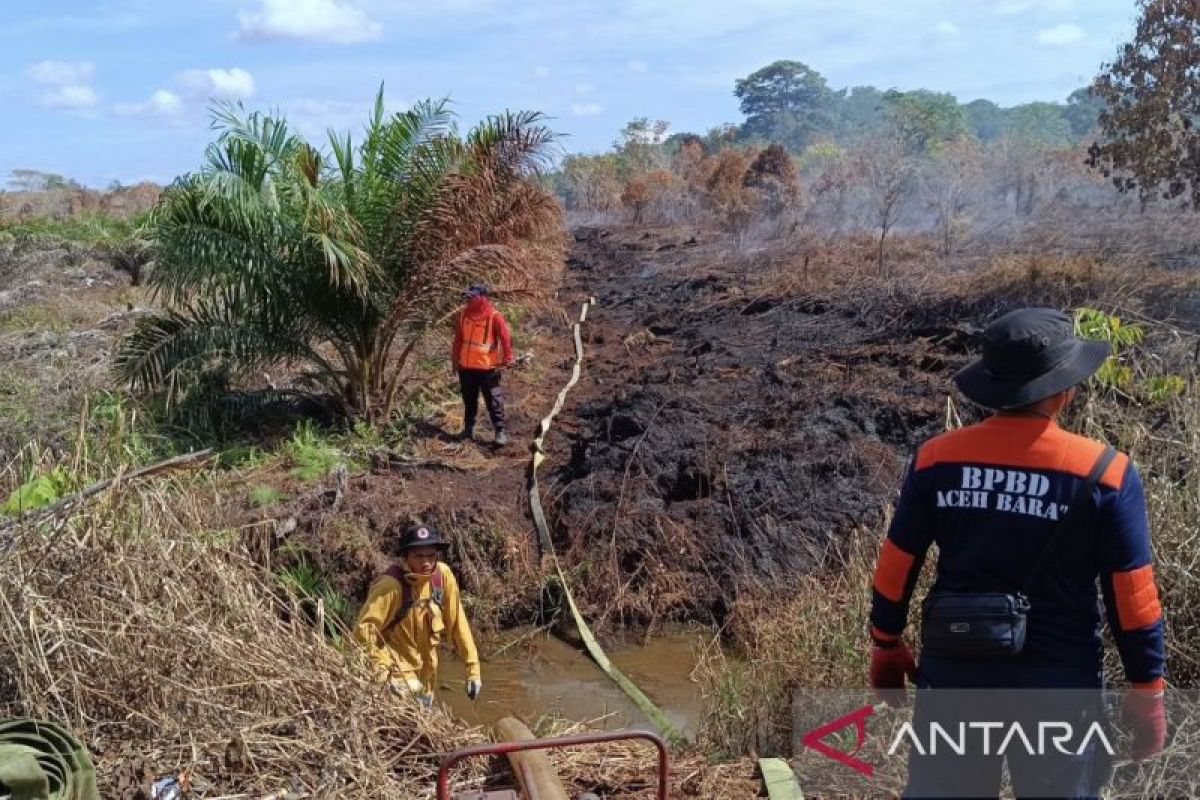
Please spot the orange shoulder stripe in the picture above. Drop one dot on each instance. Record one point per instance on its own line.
(1137, 598)
(1021, 443)
(891, 573)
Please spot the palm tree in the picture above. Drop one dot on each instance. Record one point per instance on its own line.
(333, 265)
(128, 252)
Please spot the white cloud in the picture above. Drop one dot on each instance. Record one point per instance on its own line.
(71, 98)
(320, 115)
(62, 73)
(946, 28)
(166, 102)
(234, 84)
(584, 88)
(334, 21)
(586, 109)
(315, 116)
(541, 72)
(1013, 7)
(325, 108)
(66, 84)
(1060, 35)
(161, 102)
(636, 66)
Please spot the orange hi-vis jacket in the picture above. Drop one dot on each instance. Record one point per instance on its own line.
(482, 340)
(989, 495)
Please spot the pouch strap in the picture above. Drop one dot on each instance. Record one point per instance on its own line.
(1081, 504)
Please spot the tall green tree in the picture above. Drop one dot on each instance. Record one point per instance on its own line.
(986, 119)
(923, 119)
(1083, 112)
(1038, 125)
(641, 145)
(858, 112)
(334, 264)
(786, 101)
(1149, 142)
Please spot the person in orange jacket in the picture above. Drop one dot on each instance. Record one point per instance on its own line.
(991, 496)
(482, 348)
(408, 610)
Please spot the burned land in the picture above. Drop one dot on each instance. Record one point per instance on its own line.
(729, 457)
(738, 421)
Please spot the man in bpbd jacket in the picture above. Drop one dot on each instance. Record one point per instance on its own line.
(482, 348)
(989, 495)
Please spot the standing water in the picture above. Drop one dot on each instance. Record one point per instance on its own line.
(530, 674)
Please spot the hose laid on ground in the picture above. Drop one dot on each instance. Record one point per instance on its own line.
(44, 761)
(779, 779)
(652, 711)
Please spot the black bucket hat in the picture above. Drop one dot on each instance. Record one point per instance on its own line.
(478, 290)
(422, 536)
(1028, 355)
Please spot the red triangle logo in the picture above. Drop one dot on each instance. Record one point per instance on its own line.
(814, 740)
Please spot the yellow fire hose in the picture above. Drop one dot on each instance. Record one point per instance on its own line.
(779, 779)
(43, 761)
(652, 711)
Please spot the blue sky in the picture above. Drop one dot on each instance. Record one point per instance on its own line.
(119, 89)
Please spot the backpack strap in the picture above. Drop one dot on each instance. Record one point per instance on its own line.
(396, 573)
(1081, 505)
(437, 586)
(488, 332)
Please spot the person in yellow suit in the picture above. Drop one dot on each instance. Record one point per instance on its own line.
(408, 611)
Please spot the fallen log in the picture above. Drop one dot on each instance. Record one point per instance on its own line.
(185, 461)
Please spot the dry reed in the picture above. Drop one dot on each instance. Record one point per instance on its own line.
(154, 636)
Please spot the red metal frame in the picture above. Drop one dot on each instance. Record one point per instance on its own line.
(504, 748)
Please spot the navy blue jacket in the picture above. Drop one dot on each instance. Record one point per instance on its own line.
(989, 495)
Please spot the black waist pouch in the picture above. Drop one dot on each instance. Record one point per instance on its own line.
(993, 624)
(974, 624)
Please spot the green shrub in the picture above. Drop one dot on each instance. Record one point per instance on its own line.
(1092, 323)
(86, 229)
(261, 495)
(311, 456)
(1118, 372)
(307, 583)
(1160, 389)
(38, 492)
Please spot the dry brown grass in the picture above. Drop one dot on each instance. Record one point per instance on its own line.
(812, 637)
(148, 629)
(816, 636)
(628, 770)
(1164, 442)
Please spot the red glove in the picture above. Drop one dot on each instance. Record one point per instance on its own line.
(890, 664)
(1145, 714)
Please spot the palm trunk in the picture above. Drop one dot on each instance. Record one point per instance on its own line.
(392, 385)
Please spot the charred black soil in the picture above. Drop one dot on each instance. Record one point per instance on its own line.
(740, 415)
(723, 439)
(735, 423)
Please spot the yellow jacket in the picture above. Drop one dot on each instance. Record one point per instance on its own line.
(408, 648)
